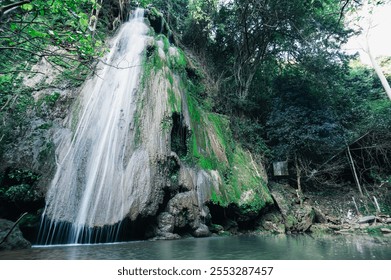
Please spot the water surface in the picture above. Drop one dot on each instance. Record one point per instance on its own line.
(281, 247)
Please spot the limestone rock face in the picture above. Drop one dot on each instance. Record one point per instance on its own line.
(15, 240)
(184, 208)
(166, 222)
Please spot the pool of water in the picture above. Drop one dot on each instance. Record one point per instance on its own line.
(280, 247)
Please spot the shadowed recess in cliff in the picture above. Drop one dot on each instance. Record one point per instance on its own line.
(98, 165)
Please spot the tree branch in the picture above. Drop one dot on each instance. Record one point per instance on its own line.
(7, 8)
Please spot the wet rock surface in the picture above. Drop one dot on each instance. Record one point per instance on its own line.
(15, 240)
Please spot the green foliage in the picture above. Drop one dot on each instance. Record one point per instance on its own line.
(178, 62)
(52, 98)
(55, 32)
(18, 186)
(302, 122)
(175, 11)
(22, 176)
(21, 194)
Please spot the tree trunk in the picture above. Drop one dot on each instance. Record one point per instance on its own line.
(298, 178)
(379, 72)
(12, 228)
(354, 172)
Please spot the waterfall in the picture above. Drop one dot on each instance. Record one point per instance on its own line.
(98, 165)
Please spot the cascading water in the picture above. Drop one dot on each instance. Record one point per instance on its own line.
(93, 188)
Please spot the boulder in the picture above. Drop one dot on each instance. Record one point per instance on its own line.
(202, 231)
(166, 222)
(184, 207)
(385, 230)
(15, 240)
(319, 216)
(305, 216)
(297, 217)
(366, 219)
(185, 179)
(272, 222)
(215, 228)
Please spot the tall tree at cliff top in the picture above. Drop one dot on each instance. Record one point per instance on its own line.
(363, 19)
(249, 33)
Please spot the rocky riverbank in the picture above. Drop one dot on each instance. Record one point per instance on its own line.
(316, 214)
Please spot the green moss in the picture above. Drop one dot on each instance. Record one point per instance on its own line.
(290, 221)
(376, 230)
(178, 62)
(210, 143)
(155, 13)
(170, 78)
(243, 185)
(166, 42)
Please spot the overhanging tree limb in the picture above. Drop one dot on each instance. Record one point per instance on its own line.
(7, 8)
(12, 228)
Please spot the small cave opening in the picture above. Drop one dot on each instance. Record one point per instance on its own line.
(150, 50)
(166, 198)
(62, 232)
(230, 218)
(179, 135)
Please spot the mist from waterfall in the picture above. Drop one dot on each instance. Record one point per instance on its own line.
(98, 165)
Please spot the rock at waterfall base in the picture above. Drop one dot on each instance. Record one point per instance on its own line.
(15, 240)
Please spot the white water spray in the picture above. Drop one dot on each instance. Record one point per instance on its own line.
(98, 165)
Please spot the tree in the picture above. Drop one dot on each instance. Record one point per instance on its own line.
(56, 32)
(251, 31)
(362, 20)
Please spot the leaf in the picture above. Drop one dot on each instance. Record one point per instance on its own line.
(36, 33)
(83, 21)
(27, 7)
(13, 26)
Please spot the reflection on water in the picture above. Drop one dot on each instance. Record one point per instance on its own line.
(281, 247)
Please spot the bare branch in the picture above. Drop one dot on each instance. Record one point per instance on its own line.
(7, 8)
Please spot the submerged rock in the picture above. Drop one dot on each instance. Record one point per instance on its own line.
(15, 240)
(167, 236)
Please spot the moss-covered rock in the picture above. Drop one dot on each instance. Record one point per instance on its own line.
(238, 180)
(298, 217)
